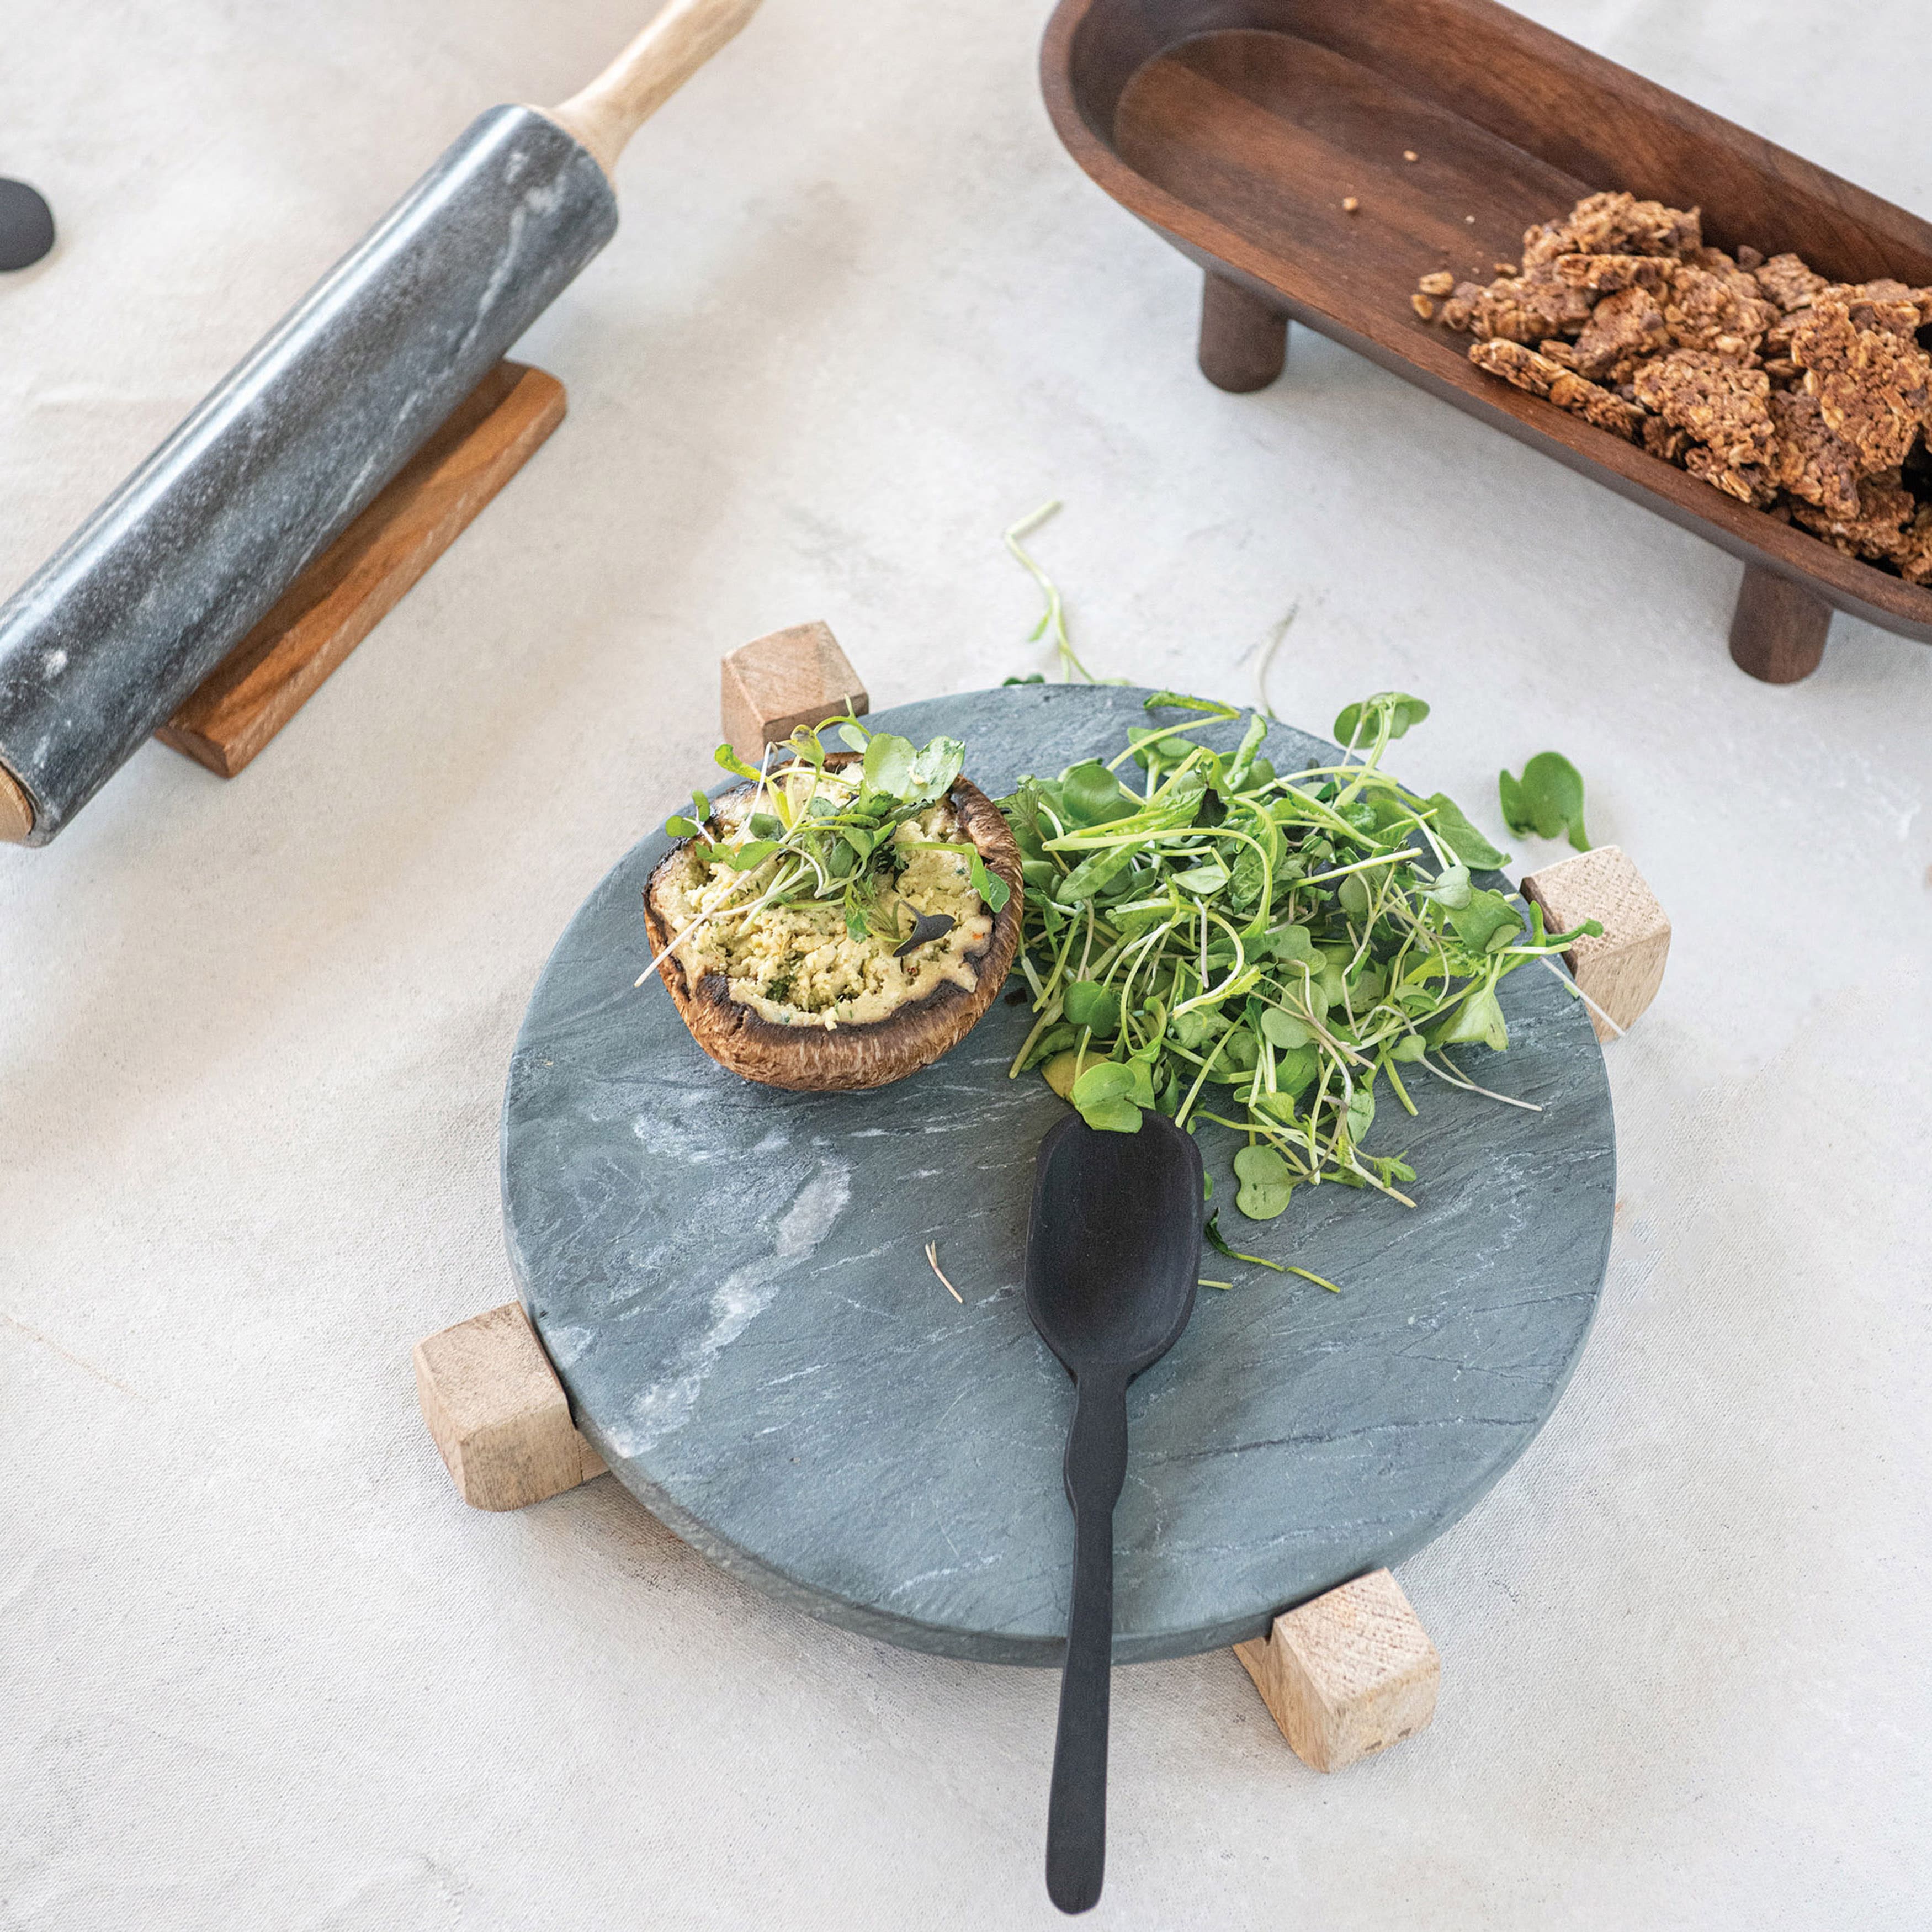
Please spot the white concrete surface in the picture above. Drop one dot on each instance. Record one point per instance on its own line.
(258, 1667)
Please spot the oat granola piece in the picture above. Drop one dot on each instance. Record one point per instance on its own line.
(1914, 556)
(1720, 403)
(1874, 388)
(1423, 307)
(1507, 270)
(1665, 440)
(1717, 307)
(1878, 531)
(1622, 329)
(1459, 310)
(1567, 390)
(1750, 483)
(1554, 348)
(1617, 223)
(1528, 308)
(1888, 306)
(1788, 281)
(1749, 259)
(1600, 275)
(1813, 461)
(1440, 283)
(1784, 372)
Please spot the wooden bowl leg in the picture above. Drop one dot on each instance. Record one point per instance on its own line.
(1244, 341)
(1777, 630)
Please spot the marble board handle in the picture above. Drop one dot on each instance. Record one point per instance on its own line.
(607, 113)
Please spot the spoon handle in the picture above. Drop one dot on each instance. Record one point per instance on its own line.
(1076, 1818)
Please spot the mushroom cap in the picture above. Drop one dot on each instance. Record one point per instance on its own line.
(850, 1058)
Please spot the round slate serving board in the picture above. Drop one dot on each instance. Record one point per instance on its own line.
(731, 1282)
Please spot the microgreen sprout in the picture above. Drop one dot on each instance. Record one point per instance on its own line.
(1219, 942)
(817, 832)
(1547, 799)
(1053, 619)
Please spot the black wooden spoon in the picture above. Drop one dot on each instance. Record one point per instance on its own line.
(1113, 1252)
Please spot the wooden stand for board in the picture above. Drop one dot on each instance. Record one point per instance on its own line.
(341, 597)
(1345, 1676)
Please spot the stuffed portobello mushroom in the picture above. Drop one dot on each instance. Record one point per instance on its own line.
(839, 920)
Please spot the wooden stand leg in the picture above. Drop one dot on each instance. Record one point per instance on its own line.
(1348, 1674)
(1244, 341)
(1622, 971)
(499, 1414)
(775, 684)
(341, 597)
(1778, 630)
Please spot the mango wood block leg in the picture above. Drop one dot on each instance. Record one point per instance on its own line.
(342, 596)
(499, 1414)
(1348, 1674)
(1621, 971)
(1244, 341)
(1778, 630)
(775, 684)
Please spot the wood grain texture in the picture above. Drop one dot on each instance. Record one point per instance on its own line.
(16, 811)
(1237, 128)
(1244, 344)
(498, 1413)
(1778, 628)
(341, 597)
(1348, 1674)
(775, 683)
(1622, 971)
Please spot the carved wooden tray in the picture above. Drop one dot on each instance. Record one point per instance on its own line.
(1236, 127)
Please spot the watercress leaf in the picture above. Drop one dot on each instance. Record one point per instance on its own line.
(1547, 799)
(1267, 1183)
(1292, 943)
(1202, 881)
(1452, 890)
(678, 827)
(856, 921)
(1284, 1029)
(1411, 1046)
(934, 768)
(1240, 773)
(853, 736)
(764, 825)
(729, 759)
(1089, 1004)
(1488, 921)
(860, 840)
(1089, 877)
(1295, 1069)
(1094, 796)
(1105, 1093)
(988, 883)
(888, 765)
(1064, 1067)
(1361, 1111)
(1359, 721)
(1042, 873)
(1352, 895)
(743, 858)
(1480, 1018)
(1461, 837)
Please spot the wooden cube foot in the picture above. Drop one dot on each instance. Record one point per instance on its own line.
(775, 684)
(1621, 971)
(341, 597)
(1778, 630)
(1347, 1675)
(499, 1414)
(1244, 343)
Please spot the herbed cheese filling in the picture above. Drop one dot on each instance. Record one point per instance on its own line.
(796, 963)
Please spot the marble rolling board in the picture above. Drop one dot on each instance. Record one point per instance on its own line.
(731, 1281)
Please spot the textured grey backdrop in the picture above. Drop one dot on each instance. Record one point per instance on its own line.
(258, 1667)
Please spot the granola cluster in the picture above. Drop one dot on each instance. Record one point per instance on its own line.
(1808, 398)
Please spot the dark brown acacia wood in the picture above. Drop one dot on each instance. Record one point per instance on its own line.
(1777, 630)
(1243, 339)
(1236, 127)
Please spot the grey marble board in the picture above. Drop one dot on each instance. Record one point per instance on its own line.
(731, 1282)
